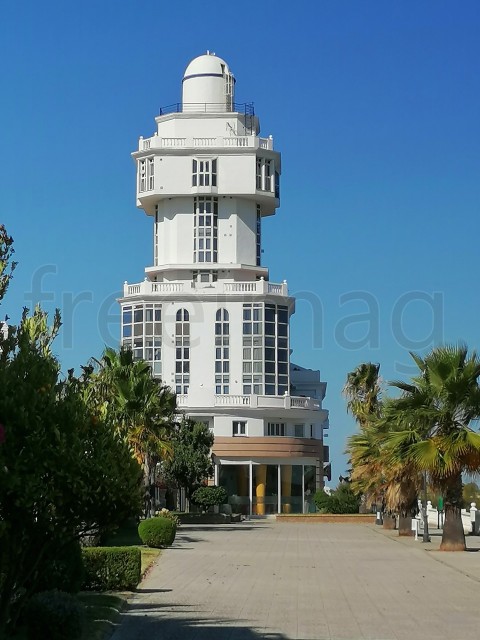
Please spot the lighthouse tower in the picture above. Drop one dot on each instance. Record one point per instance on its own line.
(206, 317)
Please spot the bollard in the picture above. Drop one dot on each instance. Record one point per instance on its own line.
(473, 510)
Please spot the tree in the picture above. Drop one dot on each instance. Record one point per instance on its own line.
(190, 464)
(138, 407)
(471, 493)
(7, 266)
(63, 470)
(434, 418)
(363, 393)
(394, 486)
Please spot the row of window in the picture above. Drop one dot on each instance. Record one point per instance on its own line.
(264, 346)
(239, 428)
(204, 174)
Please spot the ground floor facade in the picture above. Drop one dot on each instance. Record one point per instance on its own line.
(264, 487)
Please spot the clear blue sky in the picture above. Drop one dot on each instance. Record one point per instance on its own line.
(374, 106)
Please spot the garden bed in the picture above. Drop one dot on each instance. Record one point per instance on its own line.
(350, 518)
(208, 518)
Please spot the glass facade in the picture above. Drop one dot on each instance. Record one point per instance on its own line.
(236, 480)
(274, 488)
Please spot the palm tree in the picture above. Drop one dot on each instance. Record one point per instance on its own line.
(139, 407)
(362, 391)
(394, 486)
(433, 420)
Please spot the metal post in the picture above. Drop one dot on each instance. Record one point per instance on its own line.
(426, 537)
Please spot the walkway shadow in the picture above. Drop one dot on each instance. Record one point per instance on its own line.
(152, 591)
(187, 628)
(222, 527)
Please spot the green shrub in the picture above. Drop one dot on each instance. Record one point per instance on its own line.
(54, 615)
(157, 532)
(63, 571)
(322, 501)
(165, 513)
(209, 496)
(111, 568)
(342, 500)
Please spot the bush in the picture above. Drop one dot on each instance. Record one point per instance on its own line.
(165, 513)
(322, 501)
(64, 571)
(54, 615)
(157, 532)
(111, 568)
(209, 496)
(342, 500)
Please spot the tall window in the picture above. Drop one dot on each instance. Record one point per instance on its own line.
(268, 175)
(259, 236)
(259, 173)
(222, 352)
(204, 173)
(182, 351)
(252, 348)
(276, 429)
(146, 176)
(142, 332)
(205, 241)
(276, 349)
(264, 174)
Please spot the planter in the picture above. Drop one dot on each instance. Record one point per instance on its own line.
(319, 518)
(405, 526)
(389, 522)
(204, 518)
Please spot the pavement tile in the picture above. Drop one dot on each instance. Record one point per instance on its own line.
(296, 581)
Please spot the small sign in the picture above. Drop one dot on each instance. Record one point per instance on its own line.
(440, 503)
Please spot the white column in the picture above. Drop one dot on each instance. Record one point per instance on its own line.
(250, 489)
(279, 502)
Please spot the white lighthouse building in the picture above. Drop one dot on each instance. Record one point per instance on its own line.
(206, 317)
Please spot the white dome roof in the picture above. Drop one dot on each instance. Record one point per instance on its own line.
(208, 63)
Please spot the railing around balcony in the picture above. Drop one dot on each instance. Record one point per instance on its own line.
(250, 142)
(258, 402)
(246, 108)
(253, 287)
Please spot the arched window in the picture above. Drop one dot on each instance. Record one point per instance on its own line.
(182, 315)
(182, 351)
(222, 352)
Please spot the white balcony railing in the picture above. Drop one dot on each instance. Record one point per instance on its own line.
(258, 402)
(253, 287)
(251, 142)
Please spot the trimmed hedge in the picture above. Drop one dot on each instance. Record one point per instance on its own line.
(157, 532)
(111, 568)
(54, 615)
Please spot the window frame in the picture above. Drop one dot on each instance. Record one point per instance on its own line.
(237, 426)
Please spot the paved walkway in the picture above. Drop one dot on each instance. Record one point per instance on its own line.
(264, 579)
